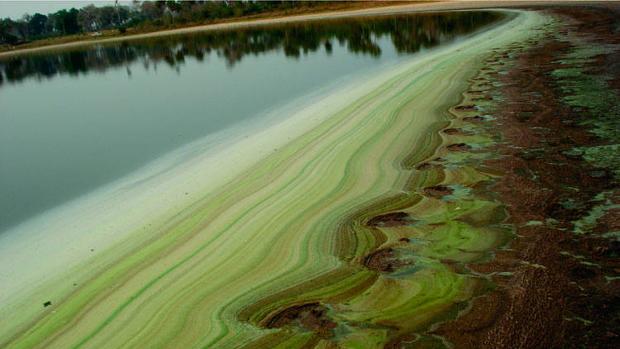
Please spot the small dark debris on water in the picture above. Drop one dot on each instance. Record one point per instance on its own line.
(47, 304)
(459, 147)
(404, 240)
(467, 107)
(476, 118)
(451, 131)
(423, 166)
(92, 250)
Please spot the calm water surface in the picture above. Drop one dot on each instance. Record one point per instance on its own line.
(74, 120)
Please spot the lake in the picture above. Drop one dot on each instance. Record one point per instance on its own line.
(75, 120)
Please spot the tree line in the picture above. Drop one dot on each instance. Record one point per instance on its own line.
(408, 34)
(145, 15)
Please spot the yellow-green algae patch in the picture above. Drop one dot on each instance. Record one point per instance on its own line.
(292, 231)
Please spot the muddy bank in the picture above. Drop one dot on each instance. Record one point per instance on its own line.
(557, 282)
(311, 317)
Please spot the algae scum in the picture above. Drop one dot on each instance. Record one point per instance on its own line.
(558, 127)
(376, 228)
(588, 93)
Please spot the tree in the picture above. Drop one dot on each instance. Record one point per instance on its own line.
(88, 18)
(36, 25)
(21, 27)
(151, 10)
(50, 26)
(108, 17)
(174, 6)
(139, 13)
(7, 28)
(67, 21)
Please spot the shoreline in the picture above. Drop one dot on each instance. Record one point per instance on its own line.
(446, 5)
(109, 203)
(559, 275)
(222, 246)
(440, 203)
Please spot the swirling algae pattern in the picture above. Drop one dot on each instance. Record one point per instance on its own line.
(279, 257)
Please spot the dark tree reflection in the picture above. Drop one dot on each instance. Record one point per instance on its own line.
(408, 34)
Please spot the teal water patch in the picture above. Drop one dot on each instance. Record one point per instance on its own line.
(613, 235)
(604, 156)
(586, 223)
(589, 94)
(458, 192)
(533, 223)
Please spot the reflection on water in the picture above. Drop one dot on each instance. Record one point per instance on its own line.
(62, 137)
(408, 34)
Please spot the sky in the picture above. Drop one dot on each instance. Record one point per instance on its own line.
(15, 9)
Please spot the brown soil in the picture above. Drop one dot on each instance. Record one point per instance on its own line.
(424, 166)
(393, 219)
(438, 191)
(384, 261)
(311, 317)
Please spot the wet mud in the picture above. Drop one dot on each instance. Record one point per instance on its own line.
(310, 317)
(385, 260)
(438, 191)
(453, 131)
(459, 147)
(557, 281)
(393, 219)
(476, 118)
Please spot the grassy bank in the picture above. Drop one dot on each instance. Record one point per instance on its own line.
(151, 29)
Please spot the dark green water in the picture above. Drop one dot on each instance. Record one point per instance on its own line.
(72, 121)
